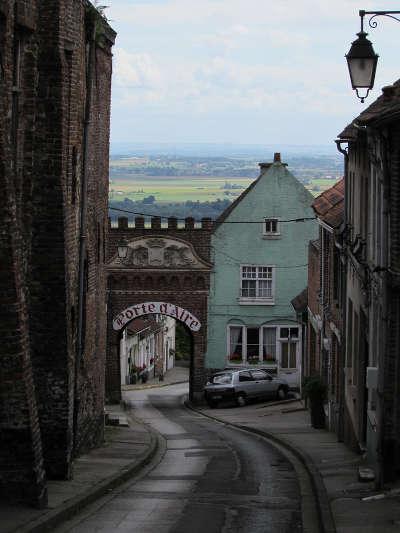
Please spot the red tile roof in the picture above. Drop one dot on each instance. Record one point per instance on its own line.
(329, 206)
(300, 302)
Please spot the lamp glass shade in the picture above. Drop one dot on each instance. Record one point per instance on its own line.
(122, 249)
(362, 62)
(362, 72)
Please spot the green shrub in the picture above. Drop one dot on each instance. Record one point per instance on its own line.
(314, 388)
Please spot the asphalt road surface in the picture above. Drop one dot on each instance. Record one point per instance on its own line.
(207, 478)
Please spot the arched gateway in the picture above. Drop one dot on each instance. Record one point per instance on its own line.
(166, 271)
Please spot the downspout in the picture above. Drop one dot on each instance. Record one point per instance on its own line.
(82, 221)
(340, 430)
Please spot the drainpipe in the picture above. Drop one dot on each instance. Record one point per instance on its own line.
(82, 232)
(340, 430)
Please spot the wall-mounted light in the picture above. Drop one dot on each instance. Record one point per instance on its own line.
(362, 59)
(122, 248)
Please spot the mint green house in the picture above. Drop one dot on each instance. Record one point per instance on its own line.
(260, 264)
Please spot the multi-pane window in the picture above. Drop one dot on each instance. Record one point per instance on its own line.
(256, 282)
(271, 226)
(265, 345)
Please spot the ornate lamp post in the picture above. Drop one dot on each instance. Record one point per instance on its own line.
(361, 59)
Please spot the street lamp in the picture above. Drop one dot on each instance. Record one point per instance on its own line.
(361, 59)
(122, 248)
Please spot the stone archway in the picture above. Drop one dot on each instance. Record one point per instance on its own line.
(166, 271)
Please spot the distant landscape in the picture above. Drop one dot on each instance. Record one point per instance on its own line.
(192, 180)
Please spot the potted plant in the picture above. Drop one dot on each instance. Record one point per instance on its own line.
(235, 358)
(133, 375)
(315, 391)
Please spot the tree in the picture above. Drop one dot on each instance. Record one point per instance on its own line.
(149, 200)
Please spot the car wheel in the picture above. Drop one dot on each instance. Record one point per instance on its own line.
(281, 393)
(212, 403)
(241, 399)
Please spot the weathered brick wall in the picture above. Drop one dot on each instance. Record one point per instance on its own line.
(313, 277)
(185, 288)
(313, 295)
(21, 462)
(54, 152)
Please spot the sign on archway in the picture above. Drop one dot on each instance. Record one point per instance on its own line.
(156, 308)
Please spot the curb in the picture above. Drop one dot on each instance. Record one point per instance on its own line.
(67, 510)
(326, 521)
(155, 386)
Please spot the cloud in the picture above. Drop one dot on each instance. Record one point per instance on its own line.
(226, 39)
(258, 12)
(239, 58)
(136, 70)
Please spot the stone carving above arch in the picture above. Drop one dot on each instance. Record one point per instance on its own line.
(160, 252)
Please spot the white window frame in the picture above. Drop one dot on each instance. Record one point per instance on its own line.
(271, 234)
(297, 341)
(261, 329)
(257, 300)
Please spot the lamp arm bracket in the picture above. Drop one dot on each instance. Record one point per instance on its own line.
(373, 23)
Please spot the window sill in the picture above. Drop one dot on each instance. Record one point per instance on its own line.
(246, 364)
(256, 301)
(271, 236)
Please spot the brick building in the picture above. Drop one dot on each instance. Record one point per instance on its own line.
(55, 76)
(372, 303)
(325, 297)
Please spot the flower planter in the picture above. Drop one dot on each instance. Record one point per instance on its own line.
(315, 391)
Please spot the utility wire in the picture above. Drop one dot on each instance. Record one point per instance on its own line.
(301, 219)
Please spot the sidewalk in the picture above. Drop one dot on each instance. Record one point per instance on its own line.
(127, 449)
(178, 374)
(333, 468)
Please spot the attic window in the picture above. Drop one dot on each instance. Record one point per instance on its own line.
(271, 227)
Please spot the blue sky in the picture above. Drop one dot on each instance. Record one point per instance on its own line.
(240, 71)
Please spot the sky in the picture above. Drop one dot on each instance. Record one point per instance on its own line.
(240, 71)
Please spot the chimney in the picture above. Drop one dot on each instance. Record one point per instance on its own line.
(277, 159)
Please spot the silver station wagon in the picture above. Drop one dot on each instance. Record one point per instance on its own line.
(243, 385)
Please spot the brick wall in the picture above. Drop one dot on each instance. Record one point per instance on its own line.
(54, 152)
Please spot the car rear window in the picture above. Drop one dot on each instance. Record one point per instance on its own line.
(221, 379)
(245, 376)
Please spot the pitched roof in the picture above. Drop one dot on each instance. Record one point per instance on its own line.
(224, 215)
(300, 301)
(264, 167)
(329, 206)
(386, 107)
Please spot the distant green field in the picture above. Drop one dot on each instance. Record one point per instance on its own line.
(176, 189)
(168, 189)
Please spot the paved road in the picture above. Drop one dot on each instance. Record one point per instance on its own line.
(208, 478)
